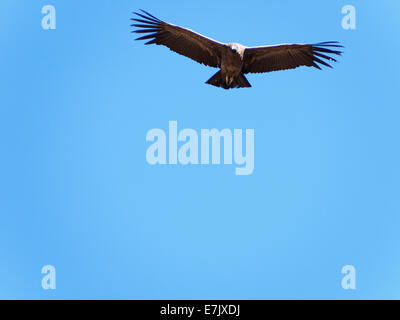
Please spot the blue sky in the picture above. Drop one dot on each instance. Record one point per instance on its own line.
(78, 194)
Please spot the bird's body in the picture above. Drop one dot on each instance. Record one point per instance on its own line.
(233, 59)
(231, 62)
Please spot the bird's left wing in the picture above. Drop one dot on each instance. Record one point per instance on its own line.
(289, 56)
(181, 40)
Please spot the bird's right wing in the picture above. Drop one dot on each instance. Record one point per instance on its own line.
(289, 56)
(183, 41)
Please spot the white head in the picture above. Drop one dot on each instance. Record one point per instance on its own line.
(234, 47)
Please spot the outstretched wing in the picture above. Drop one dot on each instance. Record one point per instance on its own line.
(183, 41)
(289, 56)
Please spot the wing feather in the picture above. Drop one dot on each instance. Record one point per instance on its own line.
(180, 40)
(289, 56)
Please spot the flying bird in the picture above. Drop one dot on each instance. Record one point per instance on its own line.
(233, 59)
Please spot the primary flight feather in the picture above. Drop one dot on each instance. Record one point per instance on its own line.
(233, 59)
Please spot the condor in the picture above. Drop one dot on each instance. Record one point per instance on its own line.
(233, 59)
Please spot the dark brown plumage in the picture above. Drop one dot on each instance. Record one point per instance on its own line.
(233, 59)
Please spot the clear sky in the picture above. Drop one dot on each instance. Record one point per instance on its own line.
(78, 194)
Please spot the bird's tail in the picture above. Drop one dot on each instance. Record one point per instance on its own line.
(219, 80)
